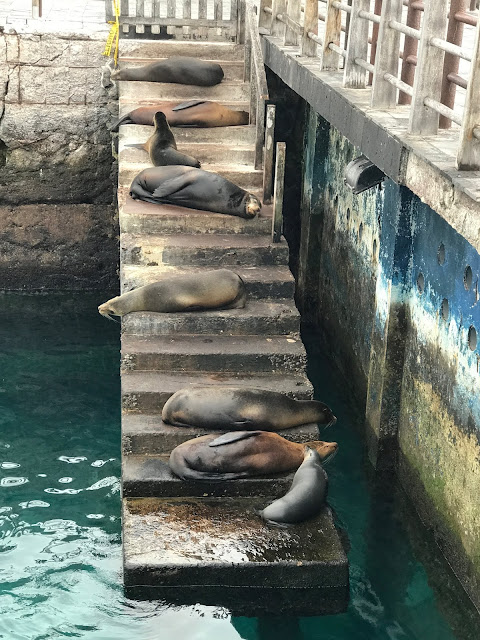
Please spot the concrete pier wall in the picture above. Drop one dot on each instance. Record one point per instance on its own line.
(392, 287)
(57, 173)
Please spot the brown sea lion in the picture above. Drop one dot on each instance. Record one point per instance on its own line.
(177, 69)
(218, 289)
(195, 113)
(194, 188)
(241, 454)
(162, 148)
(305, 498)
(237, 408)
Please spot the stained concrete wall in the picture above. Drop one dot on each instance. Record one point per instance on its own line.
(393, 290)
(57, 171)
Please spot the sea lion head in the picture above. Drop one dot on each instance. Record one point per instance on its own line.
(160, 119)
(109, 309)
(326, 450)
(252, 206)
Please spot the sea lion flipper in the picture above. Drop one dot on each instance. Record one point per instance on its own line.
(187, 105)
(233, 436)
(171, 186)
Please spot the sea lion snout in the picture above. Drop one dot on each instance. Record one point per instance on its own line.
(107, 310)
(252, 206)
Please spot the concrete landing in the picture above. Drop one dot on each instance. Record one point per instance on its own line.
(188, 541)
(226, 546)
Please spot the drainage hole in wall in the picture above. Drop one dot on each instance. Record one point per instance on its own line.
(421, 282)
(467, 277)
(441, 254)
(335, 203)
(374, 249)
(360, 231)
(444, 310)
(472, 338)
(348, 214)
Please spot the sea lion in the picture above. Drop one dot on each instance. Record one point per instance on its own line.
(194, 113)
(194, 188)
(305, 498)
(241, 454)
(177, 69)
(219, 289)
(236, 408)
(162, 148)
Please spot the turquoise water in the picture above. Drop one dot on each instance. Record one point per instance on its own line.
(60, 544)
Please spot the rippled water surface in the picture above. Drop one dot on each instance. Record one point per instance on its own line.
(60, 551)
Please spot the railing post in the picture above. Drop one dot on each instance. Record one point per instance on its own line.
(428, 74)
(264, 18)
(293, 12)
(333, 27)
(451, 62)
(468, 157)
(410, 48)
(277, 219)
(278, 27)
(36, 9)
(354, 76)
(268, 154)
(308, 46)
(384, 95)
(260, 132)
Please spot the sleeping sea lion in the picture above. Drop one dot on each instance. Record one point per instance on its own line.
(241, 454)
(305, 498)
(162, 148)
(177, 69)
(194, 113)
(219, 289)
(194, 188)
(236, 408)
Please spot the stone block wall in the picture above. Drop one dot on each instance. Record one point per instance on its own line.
(57, 170)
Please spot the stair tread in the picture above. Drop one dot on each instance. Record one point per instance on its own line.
(203, 241)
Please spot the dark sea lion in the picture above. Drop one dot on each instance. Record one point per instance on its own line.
(219, 289)
(236, 408)
(305, 498)
(195, 113)
(162, 148)
(194, 188)
(241, 454)
(177, 69)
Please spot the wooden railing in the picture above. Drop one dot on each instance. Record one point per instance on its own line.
(367, 46)
(185, 20)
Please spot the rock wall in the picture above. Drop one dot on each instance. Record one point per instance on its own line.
(57, 171)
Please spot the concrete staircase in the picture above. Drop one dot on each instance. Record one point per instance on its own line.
(257, 346)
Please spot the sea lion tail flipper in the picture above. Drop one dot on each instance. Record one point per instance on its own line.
(123, 120)
(232, 436)
(137, 145)
(171, 186)
(138, 192)
(187, 105)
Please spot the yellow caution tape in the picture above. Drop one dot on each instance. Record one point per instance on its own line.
(113, 34)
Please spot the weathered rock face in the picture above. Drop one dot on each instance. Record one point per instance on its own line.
(55, 148)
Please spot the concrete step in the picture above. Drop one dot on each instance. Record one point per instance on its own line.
(146, 392)
(147, 476)
(191, 353)
(233, 136)
(139, 217)
(261, 282)
(202, 250)
(141, 91)
(148, 435)
(217, 550)
(266, 317)
(232, 69)
(205, 153)
(242, 175)
(151, 49)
